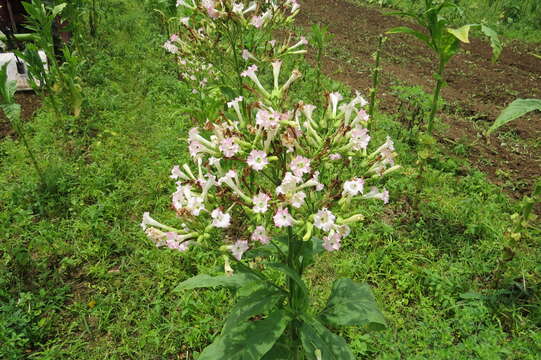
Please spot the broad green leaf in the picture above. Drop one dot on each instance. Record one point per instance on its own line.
(58, 9)
(259, 299)
(205, 281)
(310, 249)
(249, 340)
(515, 110)
(461, 33)
(495, 42)
(352, 303)
(409, 31)
(12, 111)
(7, 88)
(280, 350)
(320, 343)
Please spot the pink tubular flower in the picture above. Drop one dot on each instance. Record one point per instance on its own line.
(228, 147)
(170, 47)
(324, 220)
(260, 234)
(297, 200)
(220, 219)
(375, 194)
(282, 218)
(289, 184)
(354, 187)
(261, 203)
(331, 242)
(239, 248)
(359, 138)
(250, 72)
(257, 160)
(257, 21)
(335, 157)
(267, 120)
(300, 165)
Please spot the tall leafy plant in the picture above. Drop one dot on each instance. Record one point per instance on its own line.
(12, 110)
(444, 40)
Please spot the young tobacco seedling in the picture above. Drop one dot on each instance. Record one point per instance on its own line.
(444, 40)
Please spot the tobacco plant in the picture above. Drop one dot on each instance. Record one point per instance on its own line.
(214, 41)
(444, 40)
(273, 188)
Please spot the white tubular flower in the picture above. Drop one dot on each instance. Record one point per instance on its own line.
(376, 194)
(148, 221)
(276, 66)
(282, 218)
(353, 187)
(176, 173)
(334, 99)
(289, 184)
(260, 234)
(238, 8)
(324, 220)
(229, 147)
(300, 43)
(235, 105)
(246, 55)
(295, 75)
(297, 199)
(300, 165)
(186, 4)
(359, 138)
(257, 160)
(331, 242)
(220, 219)
(261, 203)
(239, 248)
(250, 8)
(251, 74)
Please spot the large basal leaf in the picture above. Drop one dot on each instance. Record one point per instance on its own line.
(320, 343)
(352, 303)
(258, 299)
(236, 280)
(515, 110)
(280, 350)
(249, 340)
(495, 42)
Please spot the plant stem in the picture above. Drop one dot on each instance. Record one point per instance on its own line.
(439, 85)
(295, 301)
(20, 133)
(375, 83)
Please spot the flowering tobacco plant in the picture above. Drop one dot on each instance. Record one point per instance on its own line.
(279, 181)
(226, 35)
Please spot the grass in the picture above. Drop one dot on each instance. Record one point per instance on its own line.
(79, 280)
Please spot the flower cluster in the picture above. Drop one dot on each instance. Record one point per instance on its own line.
(264, 168)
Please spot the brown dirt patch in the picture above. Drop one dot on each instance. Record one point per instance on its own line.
(476, 92)
(29, 102)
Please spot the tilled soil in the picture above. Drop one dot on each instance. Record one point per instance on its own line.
(476, 92)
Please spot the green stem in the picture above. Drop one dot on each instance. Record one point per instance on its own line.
(295, 296)
(439, 85)
(20, 133)
(375, 83)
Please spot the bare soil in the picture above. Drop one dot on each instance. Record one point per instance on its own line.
(476, 92)
(29, 102)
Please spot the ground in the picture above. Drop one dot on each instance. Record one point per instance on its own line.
(477, 89)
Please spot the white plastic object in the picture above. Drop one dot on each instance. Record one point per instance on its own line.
(22, 80)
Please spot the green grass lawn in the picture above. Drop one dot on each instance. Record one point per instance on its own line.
(80, 280)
